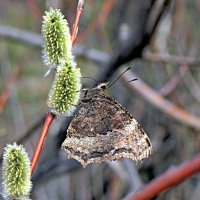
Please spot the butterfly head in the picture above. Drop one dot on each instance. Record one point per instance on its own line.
(101, 89)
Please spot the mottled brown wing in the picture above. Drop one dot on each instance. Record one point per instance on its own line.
(103, 130)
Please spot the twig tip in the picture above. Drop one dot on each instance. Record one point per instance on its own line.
(81, 4)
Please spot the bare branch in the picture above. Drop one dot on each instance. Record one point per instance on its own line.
(161, 103)
(21, 35)
(166, 180)
(173, 59)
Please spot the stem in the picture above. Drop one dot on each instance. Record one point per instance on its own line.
(77, 19)
(51, 116)
(47, 123)
(168, 179)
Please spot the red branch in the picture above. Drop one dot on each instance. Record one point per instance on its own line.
(168, 179)
(6, 93)
(51, 116)
(77, 19)
(99, 20)
(47, 123)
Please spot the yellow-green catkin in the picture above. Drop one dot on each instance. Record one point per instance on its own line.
(16, 173)
(57, 39)
(65, 91)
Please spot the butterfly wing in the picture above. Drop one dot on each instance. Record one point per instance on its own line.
(104, 130)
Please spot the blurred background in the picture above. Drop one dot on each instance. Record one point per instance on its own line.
(159, 39)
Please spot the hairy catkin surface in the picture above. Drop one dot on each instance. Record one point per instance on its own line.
(65, 91)
(57, 39)
(16, 172)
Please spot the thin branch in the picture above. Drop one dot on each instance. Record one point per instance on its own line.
(178, 76)
(21, 35)
(166, 180)
(30, 38)
(43, 135)
(174, 80)
(99, 20)
(172, 59)
(6, 92)
(95, 55)
(161, 103)
(77, 19)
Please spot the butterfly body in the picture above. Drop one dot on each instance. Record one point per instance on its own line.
(104, 130)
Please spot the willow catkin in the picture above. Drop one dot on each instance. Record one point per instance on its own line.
(65, 91)
(16, 172)
(57, 39)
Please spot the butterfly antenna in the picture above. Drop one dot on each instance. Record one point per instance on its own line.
(135, 79)
(119, 77)
(90, 78)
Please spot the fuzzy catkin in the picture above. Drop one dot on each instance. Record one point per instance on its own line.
(65, 91)
(57, 39)
(16, 172)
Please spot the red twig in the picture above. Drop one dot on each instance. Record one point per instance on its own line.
(168, 179)
(35, 9)
(5, 94)
(51, 116)
(77, 19)
(47, 123)
(99, 21)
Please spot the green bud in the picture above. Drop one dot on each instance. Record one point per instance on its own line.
(57, 39)
(65, 91)
(16, 172)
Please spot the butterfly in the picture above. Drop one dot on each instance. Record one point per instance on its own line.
(104, 130)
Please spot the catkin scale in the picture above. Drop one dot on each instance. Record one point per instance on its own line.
(16, 172)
